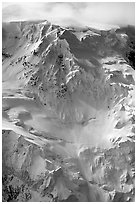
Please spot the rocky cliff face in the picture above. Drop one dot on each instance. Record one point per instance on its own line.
(68, 113)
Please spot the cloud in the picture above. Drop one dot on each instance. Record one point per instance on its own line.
(111, 13)
(80, 13)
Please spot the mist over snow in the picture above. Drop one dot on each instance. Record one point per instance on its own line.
(71, 13)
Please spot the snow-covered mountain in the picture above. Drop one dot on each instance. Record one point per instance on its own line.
(68, 113)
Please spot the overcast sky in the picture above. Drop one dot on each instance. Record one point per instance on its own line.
(66, 13)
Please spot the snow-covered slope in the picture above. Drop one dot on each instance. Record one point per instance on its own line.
(68, 113)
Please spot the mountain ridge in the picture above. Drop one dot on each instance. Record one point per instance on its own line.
(68, 102)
